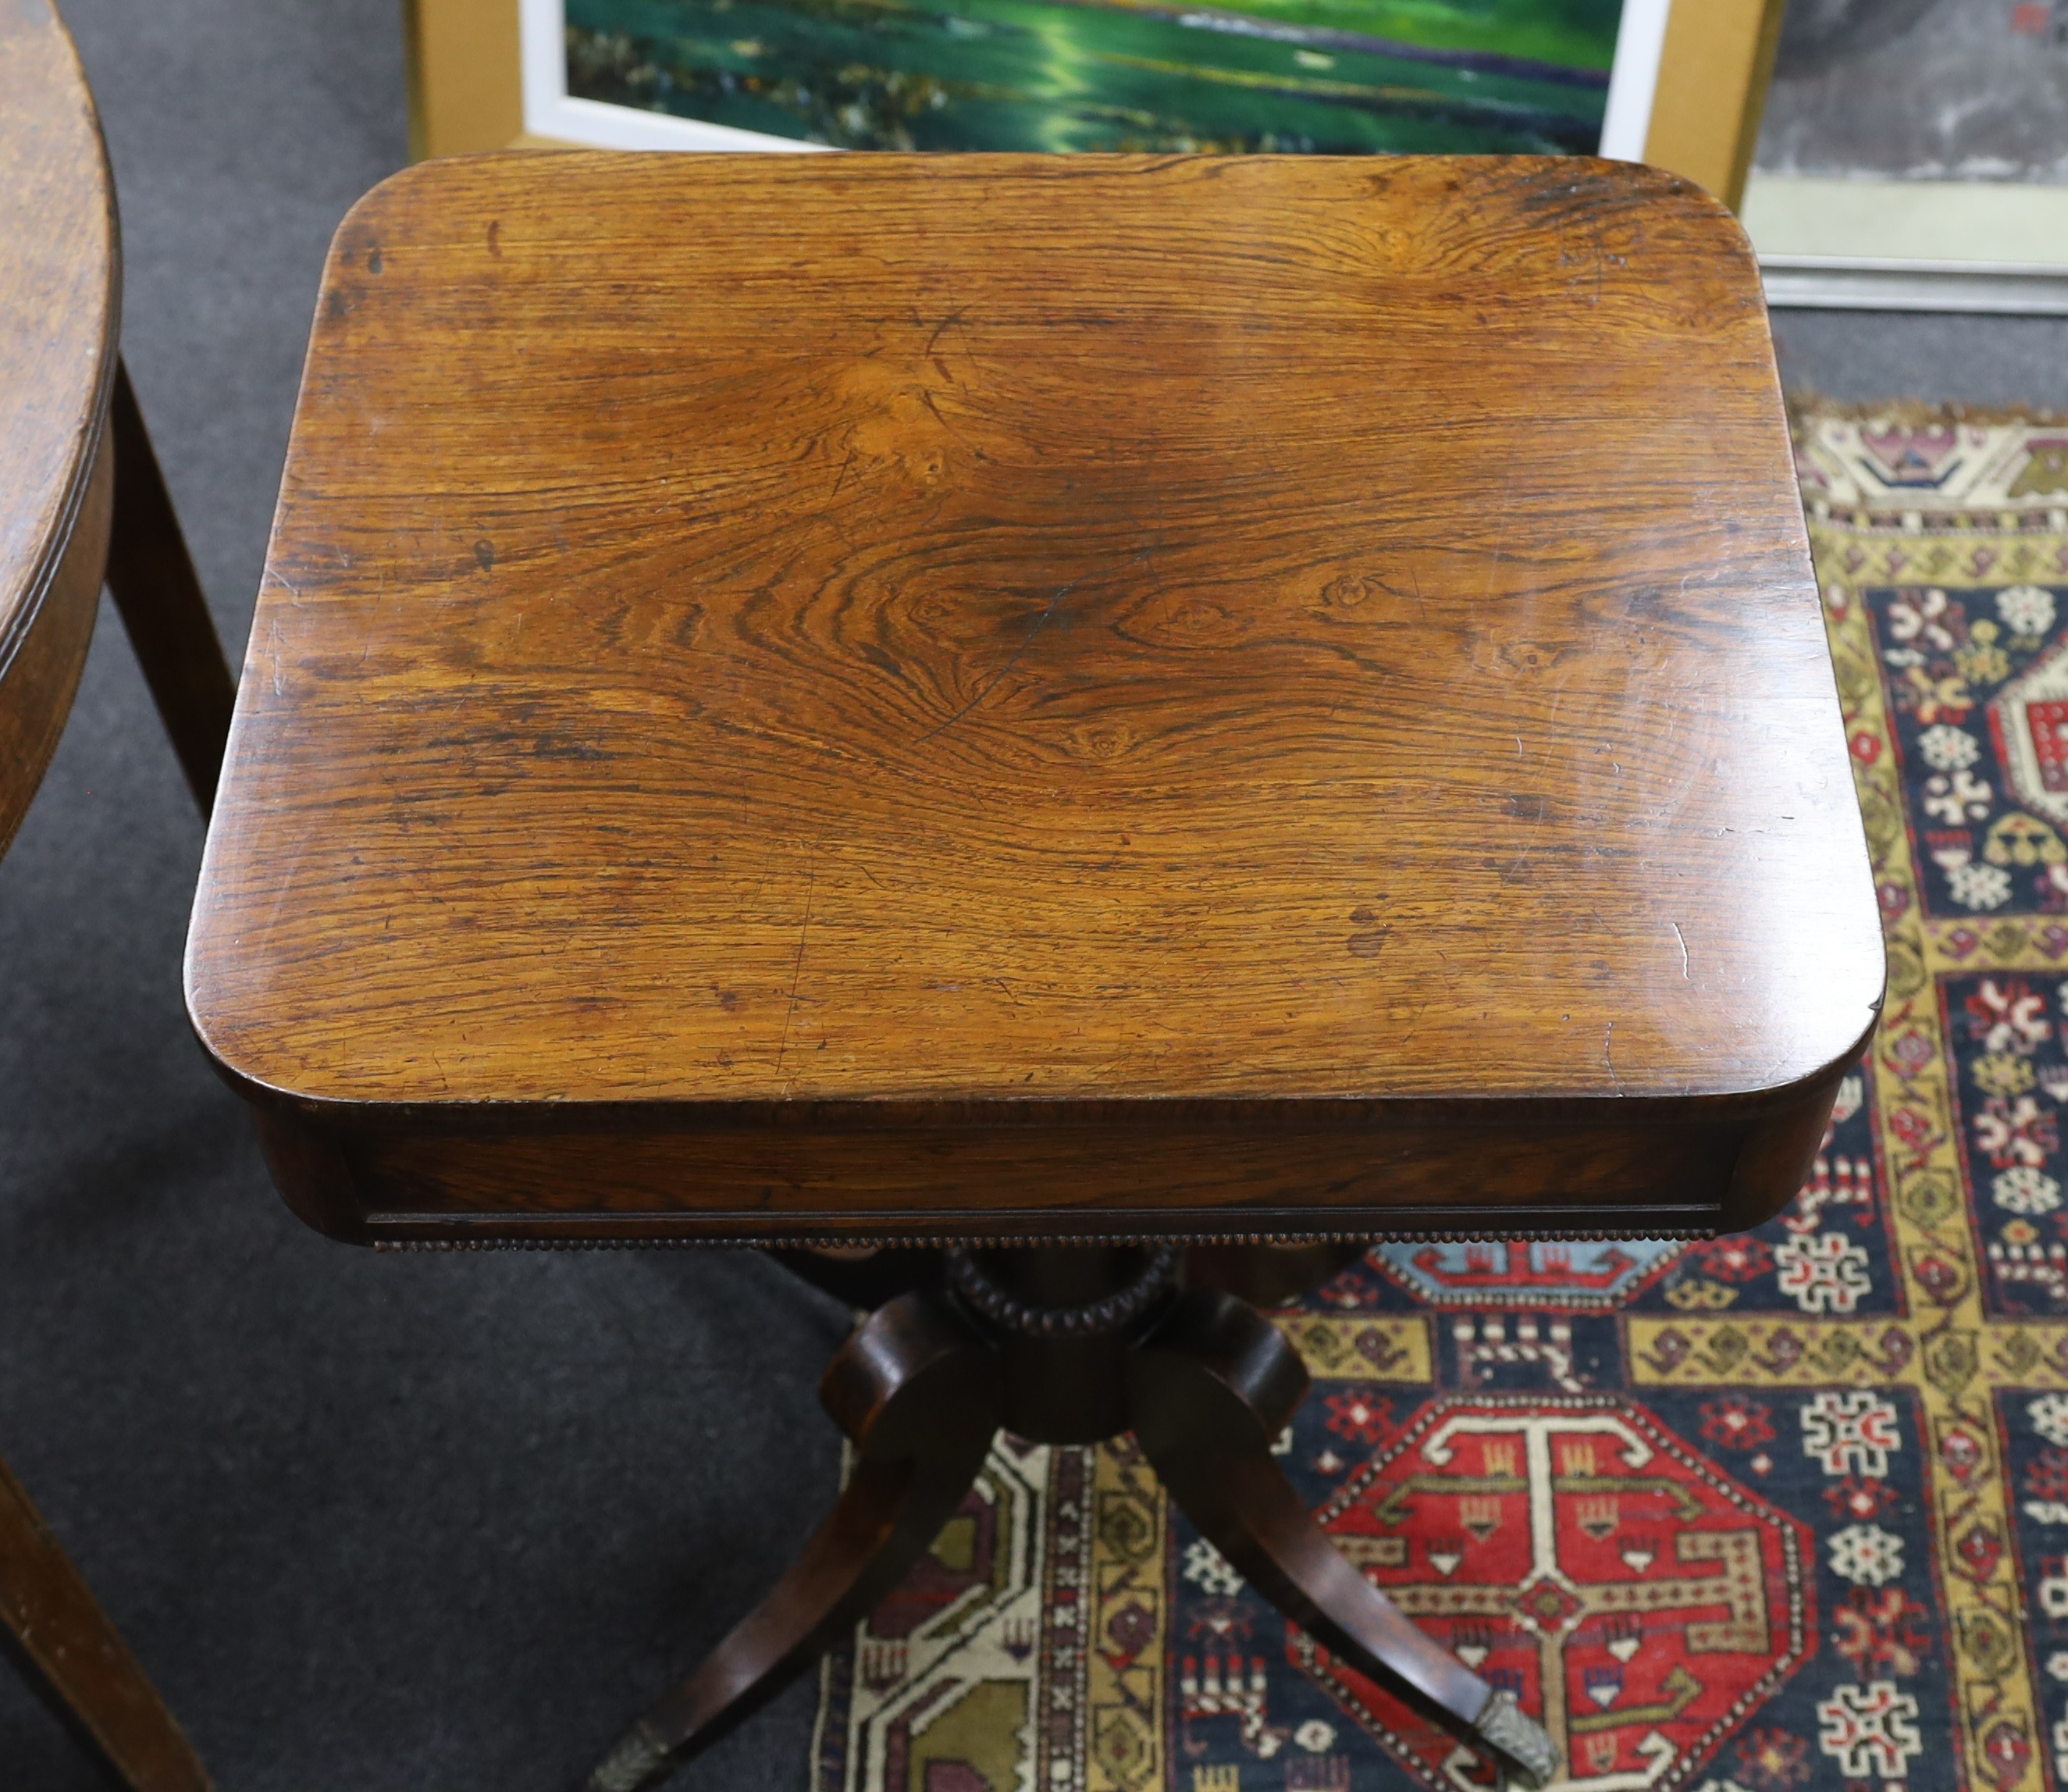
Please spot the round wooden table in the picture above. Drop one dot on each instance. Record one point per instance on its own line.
(81, 502)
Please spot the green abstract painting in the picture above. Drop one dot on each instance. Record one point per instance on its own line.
(1327, 76)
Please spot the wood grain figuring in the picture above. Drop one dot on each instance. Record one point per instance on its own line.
(60, 285)
(949, 638)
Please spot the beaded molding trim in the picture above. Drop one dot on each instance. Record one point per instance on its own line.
(1093, 1319)
(928, 1241)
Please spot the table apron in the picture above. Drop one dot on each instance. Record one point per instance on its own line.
(886, 1183)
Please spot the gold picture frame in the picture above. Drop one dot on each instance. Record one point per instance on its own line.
(466, 91)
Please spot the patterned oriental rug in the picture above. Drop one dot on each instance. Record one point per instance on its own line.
(1786, 1511)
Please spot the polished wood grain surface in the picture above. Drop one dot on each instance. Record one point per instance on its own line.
(59, 287)
(1206, 653)
(81, 496)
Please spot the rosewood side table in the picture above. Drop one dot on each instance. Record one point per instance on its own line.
(1097, 725)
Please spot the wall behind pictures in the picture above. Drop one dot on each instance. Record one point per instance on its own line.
(1930, 90)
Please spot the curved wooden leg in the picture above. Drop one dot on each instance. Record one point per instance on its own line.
(77, 1662)
(152, 581)
(1208, 1392)
(919, 1395)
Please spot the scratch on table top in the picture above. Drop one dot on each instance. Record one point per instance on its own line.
(797, 970)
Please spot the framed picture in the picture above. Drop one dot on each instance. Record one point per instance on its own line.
(1915, 152)
(1638, 79)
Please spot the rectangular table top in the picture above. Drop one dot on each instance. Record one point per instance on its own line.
(934, 642)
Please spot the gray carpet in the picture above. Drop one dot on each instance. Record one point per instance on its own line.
(396, 1522)
(1866, 356)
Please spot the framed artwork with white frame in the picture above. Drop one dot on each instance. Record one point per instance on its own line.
(1674, 85)
(1326, 76)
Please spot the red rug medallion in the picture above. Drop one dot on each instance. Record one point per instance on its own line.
(1782, 1512)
